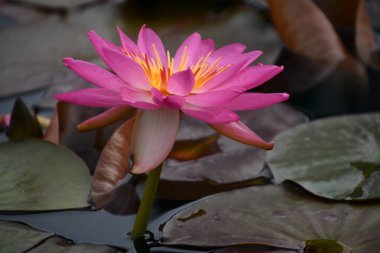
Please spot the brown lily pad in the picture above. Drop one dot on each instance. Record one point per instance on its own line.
(236, 165)
(275, 216)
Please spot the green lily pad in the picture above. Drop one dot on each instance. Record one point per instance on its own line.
(16, 238)
(37, 175)
(24, 123)
(251, 249)
(236, 165)
(335, 158)
(60, 245)
(275, 216)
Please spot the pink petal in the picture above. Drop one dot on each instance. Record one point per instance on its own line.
(94, 74)
(193, 52)
(253, 101)
(7, 120)
(226, 52)
(127, 69)
(146, 39)
(207, 46)
(107, 118)
(99, 43)
(138, 99)
(251, 77)
(241, 133)
(153, 137)
(181, 83)
(212, 98)
(251, 56)
(167, 101)
(212, 115)
(126, 43)
(93, 97)
(220, 78)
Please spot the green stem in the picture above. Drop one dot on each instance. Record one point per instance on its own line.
(146, 203)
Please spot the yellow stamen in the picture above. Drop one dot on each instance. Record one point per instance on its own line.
(158, 75)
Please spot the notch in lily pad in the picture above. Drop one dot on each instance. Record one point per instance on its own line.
(24, 123)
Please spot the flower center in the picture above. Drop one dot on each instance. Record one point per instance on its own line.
(158, 74)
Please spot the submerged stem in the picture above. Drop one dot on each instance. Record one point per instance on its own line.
(146, 203)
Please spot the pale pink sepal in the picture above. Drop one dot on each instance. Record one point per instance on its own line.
(127, 69)
(212, 98)
(94, 74)
(147, 40)
(241, 133)
(93, 97)
(181, 83)
(212, 115)
(154, 134)
(107, 118)
(126, 43)
(253, 101)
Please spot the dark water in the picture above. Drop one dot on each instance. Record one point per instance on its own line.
(101, 227)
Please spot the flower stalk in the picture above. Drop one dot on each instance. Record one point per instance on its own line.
(146, 203)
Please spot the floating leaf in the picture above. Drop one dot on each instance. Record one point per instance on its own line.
(317, 57)
(333, 11)
(185, 150)
(334, 158)
(110, 171)
(237, 165)
(37, 175)
(365, 39)
(38, 63)
(57, 4)
(310, 34)
(24, 123)
(278, 217)
(16, 238)
(60, 245)
(13, 13)
(251, 249)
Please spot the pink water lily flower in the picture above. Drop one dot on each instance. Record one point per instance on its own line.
(200, 81)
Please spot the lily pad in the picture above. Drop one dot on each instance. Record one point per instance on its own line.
(251, 249)
(60, 245)
(57, 4)
(38, 63)
(16, 238)
(24, 123)
(336, 158)
(275, 216)
(37, 175)
(236, 165)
